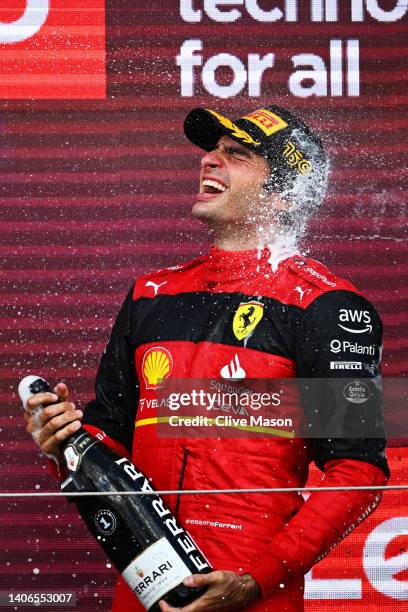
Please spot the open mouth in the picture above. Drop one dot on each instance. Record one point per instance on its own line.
(212, 186)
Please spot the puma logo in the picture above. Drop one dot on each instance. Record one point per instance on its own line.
(301, 291)
(155, 286)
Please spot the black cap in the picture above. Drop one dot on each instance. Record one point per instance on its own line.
(290, 147)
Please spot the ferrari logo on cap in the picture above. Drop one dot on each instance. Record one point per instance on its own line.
(267, 121)
(246, 318)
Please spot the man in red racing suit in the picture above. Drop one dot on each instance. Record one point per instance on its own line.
(262, 313)
(274, 537)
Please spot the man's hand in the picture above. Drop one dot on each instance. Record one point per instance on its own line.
(55, 423)
(227, 591)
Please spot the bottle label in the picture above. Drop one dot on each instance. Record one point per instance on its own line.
(72, 458)
(155, 572)
(183, 542)
(79, 445)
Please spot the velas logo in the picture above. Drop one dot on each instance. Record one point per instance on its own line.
(246, 318)
(52, 50)
(157, 366)
(268, 122)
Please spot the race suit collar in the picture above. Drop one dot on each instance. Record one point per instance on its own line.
(231, 265)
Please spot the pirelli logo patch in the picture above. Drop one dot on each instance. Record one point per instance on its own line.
(266, 121)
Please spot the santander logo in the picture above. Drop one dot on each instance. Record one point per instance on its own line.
(233, 370)
(30, 22)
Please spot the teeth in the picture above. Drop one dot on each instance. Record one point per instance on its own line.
(214, 184)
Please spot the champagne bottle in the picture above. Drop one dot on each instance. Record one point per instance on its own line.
(138, 533)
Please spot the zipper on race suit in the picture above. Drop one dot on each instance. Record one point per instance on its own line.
(181, 479)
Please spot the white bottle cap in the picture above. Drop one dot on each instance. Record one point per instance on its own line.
(25, 389)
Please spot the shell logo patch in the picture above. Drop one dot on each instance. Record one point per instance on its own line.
(266, 121)
(157, 366)
(246, 318)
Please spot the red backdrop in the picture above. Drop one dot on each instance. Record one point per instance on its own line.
(96, 186)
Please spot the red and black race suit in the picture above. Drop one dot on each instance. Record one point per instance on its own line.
(302, 321)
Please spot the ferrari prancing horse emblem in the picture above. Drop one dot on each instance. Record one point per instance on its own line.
(246, 318)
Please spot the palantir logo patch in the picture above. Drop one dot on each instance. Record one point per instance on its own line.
(52, 50)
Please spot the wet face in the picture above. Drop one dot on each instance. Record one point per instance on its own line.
(231, 185)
